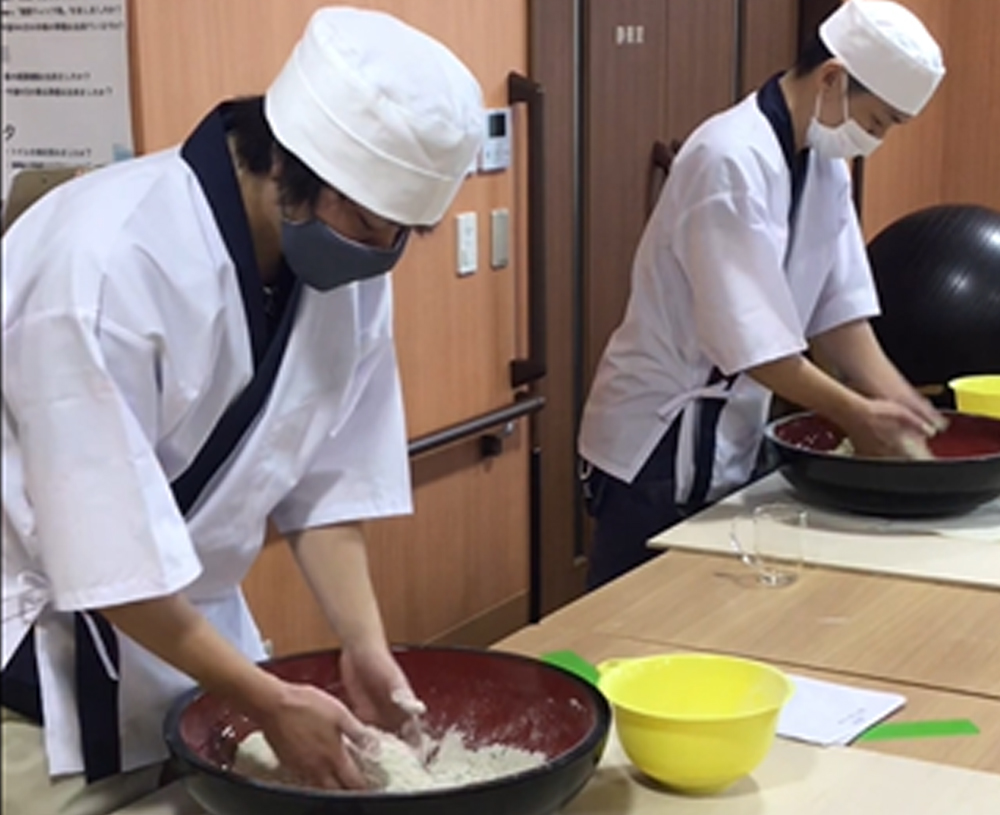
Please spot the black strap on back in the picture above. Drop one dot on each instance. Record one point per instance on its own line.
(709, 413)
(99, 726)
(97, 716)
(21, 691)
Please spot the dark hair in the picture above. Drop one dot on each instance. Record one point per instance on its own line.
(814, 54)
(256, 149)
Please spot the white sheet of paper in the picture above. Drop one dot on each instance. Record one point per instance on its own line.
(828, 713)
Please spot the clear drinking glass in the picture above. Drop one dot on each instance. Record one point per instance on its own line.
(770, 541)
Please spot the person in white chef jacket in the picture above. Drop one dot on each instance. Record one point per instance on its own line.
(753, 253)
(143, 302)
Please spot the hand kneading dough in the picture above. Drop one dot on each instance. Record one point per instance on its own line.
(394, 766)
(914, 447)
(256, 759)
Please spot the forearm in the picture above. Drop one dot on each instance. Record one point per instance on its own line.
(799, 381)
(172, 629)
(855, 352)
(304, 724)
(334, 561)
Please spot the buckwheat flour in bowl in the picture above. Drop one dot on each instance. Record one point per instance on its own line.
(395, 766)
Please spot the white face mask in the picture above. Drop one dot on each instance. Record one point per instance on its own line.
(846, 140)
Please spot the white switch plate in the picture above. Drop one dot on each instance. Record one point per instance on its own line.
(499, 238)
(467, 243)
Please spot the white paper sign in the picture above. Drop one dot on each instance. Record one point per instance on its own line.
(829, 713)
(65, 84)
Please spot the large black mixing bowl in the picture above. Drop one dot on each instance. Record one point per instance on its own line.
(964, 474)
(492, 696)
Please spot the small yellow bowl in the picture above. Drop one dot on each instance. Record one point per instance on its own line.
(978, 394)
(695, 722)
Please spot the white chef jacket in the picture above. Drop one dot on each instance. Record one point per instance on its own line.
(720, 280)
(124, 338)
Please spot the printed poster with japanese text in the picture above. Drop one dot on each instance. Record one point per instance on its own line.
(65, 84)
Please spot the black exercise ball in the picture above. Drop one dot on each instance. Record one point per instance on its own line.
(938, 277)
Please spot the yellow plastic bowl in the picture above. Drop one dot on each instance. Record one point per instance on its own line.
(695, 722)
(978, 394)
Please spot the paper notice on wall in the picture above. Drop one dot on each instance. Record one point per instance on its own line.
(65, 84)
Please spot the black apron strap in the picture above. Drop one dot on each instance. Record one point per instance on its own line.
(208, 156)
(98, 712)
(96, 689)
(238, 417)
(21, 692)
(709, 413)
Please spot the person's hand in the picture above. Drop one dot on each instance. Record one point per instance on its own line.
(885, 428)
(379, 691)
(307, 729)
(909, 398)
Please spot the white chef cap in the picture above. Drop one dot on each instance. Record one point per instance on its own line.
(887, 49)
(380, 111)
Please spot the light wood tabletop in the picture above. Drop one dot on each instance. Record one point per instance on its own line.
(980, 752)
(938, 645)
(795, 779)
(886, 628)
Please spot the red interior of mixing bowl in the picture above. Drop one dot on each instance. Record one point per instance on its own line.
(490, 696)
(966, 436)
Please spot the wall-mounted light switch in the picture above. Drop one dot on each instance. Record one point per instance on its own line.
(466, 243)
(499, 238)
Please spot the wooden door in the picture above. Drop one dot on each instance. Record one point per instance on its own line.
(682, 71)
(702, 76)
(811, 14)
(555, 55)
(624, 105)
(769, 40)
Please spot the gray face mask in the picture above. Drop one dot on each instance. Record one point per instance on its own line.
(323, 259)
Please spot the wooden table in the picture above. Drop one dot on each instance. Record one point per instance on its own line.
(936, 643)
(795, 779)
(981, 752)
(885, 628)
